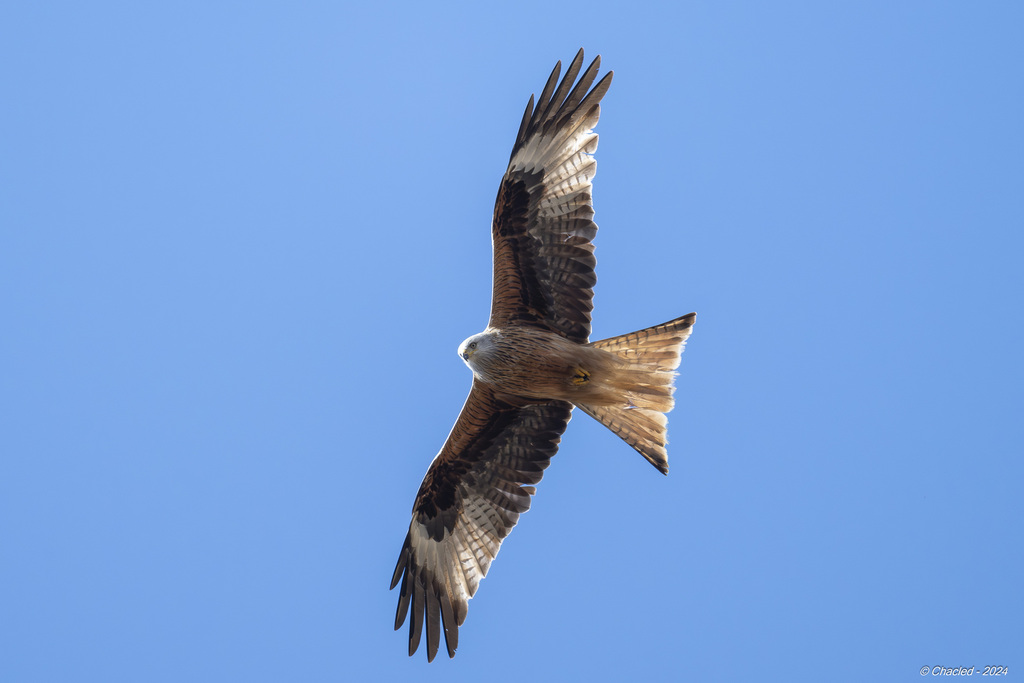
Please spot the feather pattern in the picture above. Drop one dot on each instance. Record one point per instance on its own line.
(531, 365)
(543, 225)
(470, 499)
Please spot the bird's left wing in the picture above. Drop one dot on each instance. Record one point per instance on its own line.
(543, 225)
(469, 500)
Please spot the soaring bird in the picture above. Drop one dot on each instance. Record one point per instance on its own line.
(531, 365)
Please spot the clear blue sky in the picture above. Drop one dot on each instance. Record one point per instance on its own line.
(240, 243)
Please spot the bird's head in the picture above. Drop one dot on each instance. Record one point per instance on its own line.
(475, 348)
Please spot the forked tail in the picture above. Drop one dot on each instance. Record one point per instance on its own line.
(643, 386)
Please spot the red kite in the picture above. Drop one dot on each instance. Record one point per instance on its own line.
(532, 365)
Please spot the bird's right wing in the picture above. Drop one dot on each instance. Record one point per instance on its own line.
(469, 500)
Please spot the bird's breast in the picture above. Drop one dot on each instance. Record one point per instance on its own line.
(535, 364)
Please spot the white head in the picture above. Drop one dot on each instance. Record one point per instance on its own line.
(476, 348)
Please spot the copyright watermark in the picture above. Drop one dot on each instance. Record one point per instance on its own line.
(964, 671)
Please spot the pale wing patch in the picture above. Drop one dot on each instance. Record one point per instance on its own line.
(464, 554)
(543, 228)
(567, 166)
(470, 500)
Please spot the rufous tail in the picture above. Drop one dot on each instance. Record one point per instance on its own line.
(644, 385)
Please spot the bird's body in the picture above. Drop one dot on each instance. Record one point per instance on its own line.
(532, 365)
(537, 365)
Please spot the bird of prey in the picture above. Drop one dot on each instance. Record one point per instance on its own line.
(531, 365)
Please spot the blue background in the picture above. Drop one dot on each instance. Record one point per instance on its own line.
(240, 243)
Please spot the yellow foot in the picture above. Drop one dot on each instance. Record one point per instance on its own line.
(580, 376)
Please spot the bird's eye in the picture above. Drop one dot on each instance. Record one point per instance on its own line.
(472, 345)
